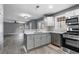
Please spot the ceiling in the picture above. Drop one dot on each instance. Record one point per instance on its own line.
(13, 11)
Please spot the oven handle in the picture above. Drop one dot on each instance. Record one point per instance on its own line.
(71, 39)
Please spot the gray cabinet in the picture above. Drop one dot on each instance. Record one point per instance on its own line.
(36, 40)
(56, 39)
(32, 24)
(30, 42)
(48, 38)
(43, 39)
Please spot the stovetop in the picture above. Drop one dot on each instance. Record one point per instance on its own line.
(72, 32)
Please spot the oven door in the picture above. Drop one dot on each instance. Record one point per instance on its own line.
(72, 44)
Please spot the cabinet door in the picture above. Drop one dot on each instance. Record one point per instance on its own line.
(43, 39)
(37, 40)
(57, 39)
(48, 38)
(30, 25)
(30, 42)
(52, 38)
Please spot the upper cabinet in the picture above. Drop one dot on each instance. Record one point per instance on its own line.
(36, 24)
(41, 24)
(49, 21)
(32, 24)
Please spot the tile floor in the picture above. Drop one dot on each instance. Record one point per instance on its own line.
(48, 49)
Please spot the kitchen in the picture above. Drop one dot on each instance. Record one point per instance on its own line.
(41, 29)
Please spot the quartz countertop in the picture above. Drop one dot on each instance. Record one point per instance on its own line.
(12, 33)
(59, 32)
(36, 32)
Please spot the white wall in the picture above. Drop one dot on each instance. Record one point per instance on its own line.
(67, 14)
(1, 28)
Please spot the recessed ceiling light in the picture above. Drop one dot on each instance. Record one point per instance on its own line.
(20, 22)
(50, 6)
(25, 15)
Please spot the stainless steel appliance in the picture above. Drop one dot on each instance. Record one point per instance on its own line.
(71, 37)
(71, 42)
(73, 20)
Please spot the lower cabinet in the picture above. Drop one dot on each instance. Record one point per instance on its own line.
(36, 40)
(30, 42)
(48, 38)
(43, 39)
(56, 39)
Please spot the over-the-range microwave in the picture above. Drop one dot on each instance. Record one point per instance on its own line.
(72, 20)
